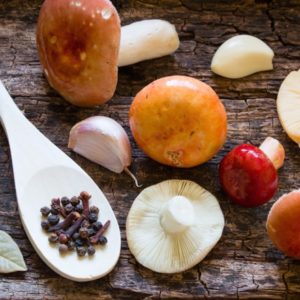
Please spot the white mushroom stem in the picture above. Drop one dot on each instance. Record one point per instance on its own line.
(177, 215)
(274, 151)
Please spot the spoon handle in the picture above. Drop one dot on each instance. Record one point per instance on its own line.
(30, 150)
(10, 115)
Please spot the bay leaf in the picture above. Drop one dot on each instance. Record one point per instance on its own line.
(11, 259)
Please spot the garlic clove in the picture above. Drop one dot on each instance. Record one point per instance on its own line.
(173, 225)
(242, 55)
(103, 141)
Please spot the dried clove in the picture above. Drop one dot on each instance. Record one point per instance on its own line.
(75, 200)
(91, 250)
(53, 219)
(94, 210)
(79, 228)
(64, 201)
(97, 225)
(69, 208)
(85, 197)
(65, 223)
(102, 240)
(45, 211)
(81, 251)
(84, 233)
(62, 248)
(56, 207)
(45, 225)
(94, 239)
(93, 218)
(71, 230)
(53, 238)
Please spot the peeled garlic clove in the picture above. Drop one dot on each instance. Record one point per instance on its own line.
(103, 141)
(242, 55)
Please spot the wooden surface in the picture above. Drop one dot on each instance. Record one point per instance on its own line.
(244, 264)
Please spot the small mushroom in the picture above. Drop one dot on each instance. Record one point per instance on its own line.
(249, 174)
(173, 225)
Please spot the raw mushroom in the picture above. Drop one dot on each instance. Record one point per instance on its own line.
(78, 45)
(173, 225)
(249, 174)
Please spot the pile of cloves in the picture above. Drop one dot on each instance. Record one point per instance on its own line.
(80, 228)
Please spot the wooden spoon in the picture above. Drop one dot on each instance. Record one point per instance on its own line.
(42, 172)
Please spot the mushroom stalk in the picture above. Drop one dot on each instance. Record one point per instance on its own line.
(177, 215)
(274, 150)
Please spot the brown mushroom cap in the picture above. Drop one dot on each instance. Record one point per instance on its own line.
(78, 44)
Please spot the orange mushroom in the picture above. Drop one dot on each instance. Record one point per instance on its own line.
(178, 121)
(283, 224)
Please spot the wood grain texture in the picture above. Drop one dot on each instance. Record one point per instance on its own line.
(244, 264)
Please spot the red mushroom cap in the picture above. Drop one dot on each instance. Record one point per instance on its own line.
(248, 176)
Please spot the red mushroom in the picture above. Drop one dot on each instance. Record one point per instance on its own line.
(249, 174)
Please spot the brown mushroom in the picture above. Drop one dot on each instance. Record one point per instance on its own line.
(78, 44)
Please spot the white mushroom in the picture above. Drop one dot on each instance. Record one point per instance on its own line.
(242, 55)
(173, 225)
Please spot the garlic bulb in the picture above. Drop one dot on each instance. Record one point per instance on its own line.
(242, 55)
(103, 141)
(173, 225)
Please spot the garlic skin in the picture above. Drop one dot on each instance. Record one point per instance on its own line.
(103, 141)
(242, 55)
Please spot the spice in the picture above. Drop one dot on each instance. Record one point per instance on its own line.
(71, 245)
(75, 200)
(69, 208)
(45, 211)
(79, 226)
(45, 225)
(62, 248)
(102, 240)
(65, 223)
(85, 197)
(91, 250)
(71, 230)
(79, 242)
(84, 233)
(56, 207)
(53, 238)
(97, 225)
(93, 218)
(94, 210)
(81, 251)
(94, 239)
(63, 239)
(79, 208)
(64, 201)
(53, 219)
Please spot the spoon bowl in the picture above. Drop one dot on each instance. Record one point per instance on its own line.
(43, 172)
